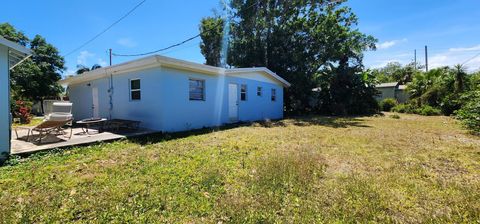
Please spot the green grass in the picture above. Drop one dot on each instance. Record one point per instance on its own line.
(34, 122)
(303, 170)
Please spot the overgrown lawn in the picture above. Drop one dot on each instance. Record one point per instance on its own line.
(300, 170)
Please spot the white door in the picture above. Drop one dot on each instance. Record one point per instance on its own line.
(95, 102)
(233, 102)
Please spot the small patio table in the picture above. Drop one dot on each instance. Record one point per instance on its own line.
(92, 122)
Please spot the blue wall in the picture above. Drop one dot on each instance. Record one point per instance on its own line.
(4, 104)
(165, 103)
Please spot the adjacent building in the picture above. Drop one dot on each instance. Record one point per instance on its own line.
(392, 90)
(10, 55)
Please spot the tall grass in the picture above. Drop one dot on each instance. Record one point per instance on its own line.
(277, 187)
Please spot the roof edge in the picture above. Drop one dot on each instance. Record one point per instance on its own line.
(15, 46)
(259, 69)
(158, 60)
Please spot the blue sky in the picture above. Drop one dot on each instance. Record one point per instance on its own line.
(450, 28)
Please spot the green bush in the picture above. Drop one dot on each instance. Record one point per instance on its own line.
(424, 110)
(387, 104)
(404, 108)
(469, 114)
(428, 111)
(451, 103)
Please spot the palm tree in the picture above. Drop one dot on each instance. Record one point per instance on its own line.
(82, 69)
(460, 76)
(95, 66)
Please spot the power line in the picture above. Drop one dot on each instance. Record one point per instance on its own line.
(470, 59)
(106, 29)
(156, 51)
(177, 44)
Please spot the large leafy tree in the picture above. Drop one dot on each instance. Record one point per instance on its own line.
(36, 78)
(9, 32)
(309, 43)
(211, 29)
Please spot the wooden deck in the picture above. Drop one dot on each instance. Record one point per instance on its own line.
(21, 146)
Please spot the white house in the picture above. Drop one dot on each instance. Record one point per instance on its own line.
(169, 95)
(10, 55)
(392, 90)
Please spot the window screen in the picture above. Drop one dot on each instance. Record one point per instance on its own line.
(197, 89)
(259, 91)
(243, 92)
(274, 94)
(135, 92)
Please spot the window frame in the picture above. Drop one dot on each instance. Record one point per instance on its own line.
(243, 91)
(259, 91)
(203, 89)
(273, 95)
(139, 90)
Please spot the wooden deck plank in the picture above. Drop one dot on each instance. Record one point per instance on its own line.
(20, 146)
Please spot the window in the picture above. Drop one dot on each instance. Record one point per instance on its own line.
(259, 91)
(135, 93)
(243, 92)
(197, 89)
(274, 94)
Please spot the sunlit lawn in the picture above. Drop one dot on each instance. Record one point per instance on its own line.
(310, 169)
(34, 122)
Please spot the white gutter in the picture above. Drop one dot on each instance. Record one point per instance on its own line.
(157, 60)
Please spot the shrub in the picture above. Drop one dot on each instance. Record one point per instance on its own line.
(21, 109)
(404, 108)
(450, 104)
(428, 111)
(469, 114)
(387, 104)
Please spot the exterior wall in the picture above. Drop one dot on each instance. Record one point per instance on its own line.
(385, 92)
(257, 107)
(402, 95)
(81, 97)
(4, 104)
(165, 103)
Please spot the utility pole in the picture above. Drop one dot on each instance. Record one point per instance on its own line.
(426, 58)
(110, 50)
(415, 59)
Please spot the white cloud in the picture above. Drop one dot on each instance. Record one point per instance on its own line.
(102, 62)
(391, 43)
(83, 57)
(89, 59)
(126, 42)
(453, 56)
(463, 49)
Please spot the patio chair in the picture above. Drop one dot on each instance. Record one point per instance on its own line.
(50, 127)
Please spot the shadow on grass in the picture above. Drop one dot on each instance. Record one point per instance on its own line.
(312, 120)
(167, 136)
(333, 122)
(327, 121)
